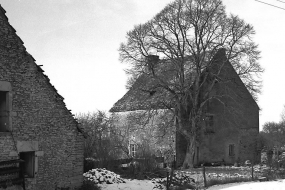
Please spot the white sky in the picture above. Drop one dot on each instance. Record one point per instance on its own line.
(77, 43)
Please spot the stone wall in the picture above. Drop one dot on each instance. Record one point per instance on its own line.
(39, 119)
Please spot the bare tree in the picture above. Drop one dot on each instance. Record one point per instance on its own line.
(282, 115)
(186, 35)
(151, 131)
(101, 142)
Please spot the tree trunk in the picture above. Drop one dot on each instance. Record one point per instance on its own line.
(187, 124)
(190, 153)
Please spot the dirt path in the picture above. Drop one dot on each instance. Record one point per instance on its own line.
(268, 185)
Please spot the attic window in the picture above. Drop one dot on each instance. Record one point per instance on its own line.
(4, 111)
(28, 167)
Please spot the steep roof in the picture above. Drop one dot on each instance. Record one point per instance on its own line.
(144, 93)
(39, 69)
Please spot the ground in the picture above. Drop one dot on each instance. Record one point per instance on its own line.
(129, 185)
(268, 185)
(148, 185)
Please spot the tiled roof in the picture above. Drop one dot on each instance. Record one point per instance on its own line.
(145, 93)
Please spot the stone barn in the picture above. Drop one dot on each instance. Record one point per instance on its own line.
(230, 125)
(41, 144)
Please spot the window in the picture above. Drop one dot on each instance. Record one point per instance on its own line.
(132, 150)
(4, 111)
(28, 167)
(231, 150)
(209, 120)
(209, 124)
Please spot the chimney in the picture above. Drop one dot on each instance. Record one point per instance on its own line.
(152, 61)
(218, 60)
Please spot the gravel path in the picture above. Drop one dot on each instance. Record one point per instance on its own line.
(268, 185)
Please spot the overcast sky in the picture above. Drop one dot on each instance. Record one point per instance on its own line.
(77, 43)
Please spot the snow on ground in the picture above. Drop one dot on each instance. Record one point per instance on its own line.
(148, 185)
(267, 185)
(129, 185)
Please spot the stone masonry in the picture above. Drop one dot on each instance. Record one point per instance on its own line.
(37, 119)
(235, 123)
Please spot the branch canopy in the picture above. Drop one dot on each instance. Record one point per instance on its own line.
(185, 36)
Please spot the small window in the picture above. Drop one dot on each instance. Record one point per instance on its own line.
(209, 124)
(132, 150)
(4, 112)
(209, 121)
(28, 167)
(231, 150)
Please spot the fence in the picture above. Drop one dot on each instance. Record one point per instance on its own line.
(208, 176)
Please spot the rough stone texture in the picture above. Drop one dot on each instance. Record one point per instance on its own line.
(38, 116)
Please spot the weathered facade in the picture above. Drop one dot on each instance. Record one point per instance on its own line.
(231, 123)
(231, 126)
(35, 124)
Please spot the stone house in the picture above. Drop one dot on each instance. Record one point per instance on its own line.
(35, 125)
(230, 125)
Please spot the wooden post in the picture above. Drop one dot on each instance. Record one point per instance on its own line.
(251, 171)
(167, 180)
(204, 176)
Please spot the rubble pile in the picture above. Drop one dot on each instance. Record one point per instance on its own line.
(99, 176)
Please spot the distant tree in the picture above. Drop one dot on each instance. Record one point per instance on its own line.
(186, 35)
(152, 133)
(283, 115)
(99, 144)
(275, 133)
